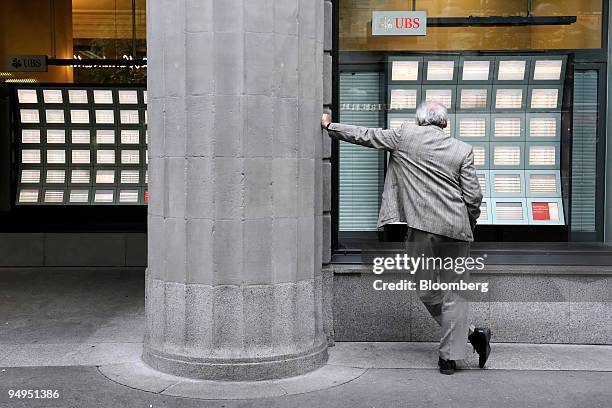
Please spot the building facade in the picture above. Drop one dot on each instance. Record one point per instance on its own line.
(203, 144)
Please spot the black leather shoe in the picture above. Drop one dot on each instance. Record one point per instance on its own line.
(481, 339)
(447, 366)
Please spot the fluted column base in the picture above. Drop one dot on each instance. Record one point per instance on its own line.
(234, 332)
(252, 369)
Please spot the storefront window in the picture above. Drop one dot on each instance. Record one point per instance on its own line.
(75, 29)
(532, 116)
(355, 26)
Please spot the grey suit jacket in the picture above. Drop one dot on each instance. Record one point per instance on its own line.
(431, 181)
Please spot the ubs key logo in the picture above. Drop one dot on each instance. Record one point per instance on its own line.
(399, 23)
(16, 63)
(28, 63)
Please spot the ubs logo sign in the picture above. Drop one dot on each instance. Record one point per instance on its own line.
(28, 63)
(399, 23)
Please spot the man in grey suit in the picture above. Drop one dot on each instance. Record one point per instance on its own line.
(431, 185)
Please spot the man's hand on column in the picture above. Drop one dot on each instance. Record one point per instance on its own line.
(325, 121)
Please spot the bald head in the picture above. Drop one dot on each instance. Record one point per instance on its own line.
(432, 113)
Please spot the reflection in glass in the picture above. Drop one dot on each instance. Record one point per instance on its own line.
(473, 98)
(403, 98)
(404, 70)
(507, 127)
(440, 70)
(511, 70)
(442, 96)
(475, 70)
(509, 98)
(506, 155)
(547, 70)
(544, 98)
(542, 155)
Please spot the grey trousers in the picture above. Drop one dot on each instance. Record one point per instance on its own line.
(449, 308)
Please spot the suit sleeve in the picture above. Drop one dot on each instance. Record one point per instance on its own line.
(386, 139)
(470, 188)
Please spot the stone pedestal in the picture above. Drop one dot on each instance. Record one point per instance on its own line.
(235, 211)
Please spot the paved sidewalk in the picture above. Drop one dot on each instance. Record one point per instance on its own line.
(357, 375)
(81, 334)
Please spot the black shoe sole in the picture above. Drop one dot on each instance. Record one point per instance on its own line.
(447, 372)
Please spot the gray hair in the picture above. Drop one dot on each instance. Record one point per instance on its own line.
(432, 113)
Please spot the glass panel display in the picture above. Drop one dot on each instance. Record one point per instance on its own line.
(542, 127)
(85, 139)
(54, 116)
(480, 155)
(475, 70)
(509, 211)
(28, 196)
(129, 116)
(511, 70)
(30, 156)
(543, 184)
(52, 96)
(507, 183)
(507, 127)
(472, 127)
(103, 196)
(80, 136)
(508, 98)
(79, 177)
(128, 97)
(30, 176)
(545, 211)
(27, 96)
(506, 155)
(77, 96)
(128, 196)
(483, 183)
(79, 196)
(105, 176)
(103, 96)
(81, 156)
(130, 176)
(105, 136)
(403, 99)
(547, 70)
(542, 155)
(130, 157)
(56, 156)
(440, 70)
(473, 98)
(105, 116)
(442, 96)
(544, 98)
(29, 116)
(79, 116)
(484, 211)
(30, 136)
(56, 136)
(105, 157)
(404, 70)
(396, 123)
(56, 176)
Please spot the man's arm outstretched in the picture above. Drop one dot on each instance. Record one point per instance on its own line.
(368, 137)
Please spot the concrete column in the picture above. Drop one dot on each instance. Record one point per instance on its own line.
(235, 211)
